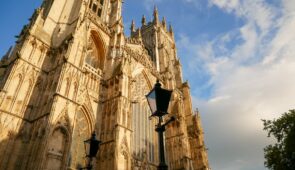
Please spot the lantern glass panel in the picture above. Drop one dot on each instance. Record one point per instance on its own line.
(151, 97)
(87, 147)
(163, 100)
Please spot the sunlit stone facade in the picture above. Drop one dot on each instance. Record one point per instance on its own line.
(72, 72)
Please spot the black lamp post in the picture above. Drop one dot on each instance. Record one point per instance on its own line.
(91, 149)
(158, 100)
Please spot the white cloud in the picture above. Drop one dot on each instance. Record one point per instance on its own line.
(228, 5)
(257, 12)
(252, 80)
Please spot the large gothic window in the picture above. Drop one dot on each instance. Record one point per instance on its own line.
(80, 134)
(91, 59)
(144, 136)
(94, 56)
(96, 6)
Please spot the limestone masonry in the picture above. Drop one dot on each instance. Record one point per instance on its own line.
(72, 72)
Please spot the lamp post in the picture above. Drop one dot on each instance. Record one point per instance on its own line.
(158, 100)
(91, 149)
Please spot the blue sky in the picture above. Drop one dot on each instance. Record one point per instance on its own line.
(238, 55)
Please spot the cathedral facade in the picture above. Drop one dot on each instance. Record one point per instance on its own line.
(73, 71)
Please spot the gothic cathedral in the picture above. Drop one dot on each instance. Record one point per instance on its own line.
(72, 72)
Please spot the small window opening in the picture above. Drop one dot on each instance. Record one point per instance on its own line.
(94, 7)
(99, 12)
(90, 4)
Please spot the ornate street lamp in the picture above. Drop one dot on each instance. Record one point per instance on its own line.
(158, 100)
(91, 149)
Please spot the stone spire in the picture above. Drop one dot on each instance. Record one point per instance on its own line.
(139, 35)
(171, 30)
(156, 16)
(143, 20)
(132, 28)
(164, 23)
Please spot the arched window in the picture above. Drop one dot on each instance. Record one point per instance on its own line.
(95, 53)
(23, 96)
(144, 136)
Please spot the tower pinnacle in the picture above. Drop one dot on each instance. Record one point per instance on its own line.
(164, 22)
(143, 20)
(132, 28)
(171, 30)
(156, 15)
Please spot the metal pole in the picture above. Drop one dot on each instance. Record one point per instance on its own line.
(89, 166)
(160, 129)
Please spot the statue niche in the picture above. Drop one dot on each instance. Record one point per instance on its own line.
(56, 153)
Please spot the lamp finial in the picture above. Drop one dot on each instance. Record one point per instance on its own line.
(158, 84)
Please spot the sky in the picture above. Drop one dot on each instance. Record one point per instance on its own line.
(238, 56)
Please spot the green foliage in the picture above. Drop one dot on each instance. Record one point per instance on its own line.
(281, 156)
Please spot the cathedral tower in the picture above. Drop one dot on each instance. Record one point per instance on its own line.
(73, 71)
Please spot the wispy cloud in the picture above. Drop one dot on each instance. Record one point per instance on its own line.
(251, 70)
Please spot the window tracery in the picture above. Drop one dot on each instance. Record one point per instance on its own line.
(96, 6)
(94, 54)
(144, 136)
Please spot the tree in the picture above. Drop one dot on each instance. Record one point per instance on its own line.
(281, 155)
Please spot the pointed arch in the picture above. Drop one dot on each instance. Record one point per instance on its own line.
(12, 90)
(24, 95)
(150, 85)
(73, 90)
(96, 51)
(83, 127)
(57, 148)
(14, 85)
(89, 116)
